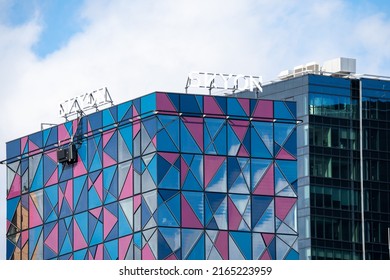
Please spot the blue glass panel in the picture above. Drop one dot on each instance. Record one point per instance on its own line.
(82, 152)
(93, 199)
(62, 231)
(47, 228)
(37, 182)
(292, 255)
(13, 149)
(137, 107)
(233, 142)
(50, 136)
(37, 139)
(165, 143)
(125, 111)
(111, 147)
(165, 195)
(165, 217)
(263, 214)
(11, 207)
(82, 222)
(243, 205)
(168, 133)
(69, 127)
(94, 152)
(113, 209)
(172, 237)
(146, 213)
(291, 144)
(96, 163)
(96, 120)
(125, 217)
(65, 172)
(164, 249)
(234, 108)
(80, 255)
(10, 249)
(92, 222)
(216, 211)
(215, 136)
(124, 226)
(198, 251)
(272, 249)
(171, 179)
(191, 103)
(148, 103)
(292, 106)
(50, 168)
(243, 241)
(259, 206)
(138, 239)
(189, 238)
(152, 168)
(222, 103)
(262, 139)
(33, 238)
(163, 167)
(125, 143)
(281, 111)
(112, 249)
(193, 179)
(109, 117)
(24, 165)
(150, 125)
(258, 168)
(50, 203)
(174, 99)
(282, 131)
(188, 144)
(47, 252)
(97, 234)
(219, 182)
(238, 175)
(47, 208)
(108, 176)
(66, 246)
(174, 207)
(196, 201)
(214, 200)
(289, 169)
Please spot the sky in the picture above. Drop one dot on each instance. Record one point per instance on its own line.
(53, 50)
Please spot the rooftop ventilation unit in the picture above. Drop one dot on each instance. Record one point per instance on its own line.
(312, 67)
(299, 70)
(340, 66)
(285, 74)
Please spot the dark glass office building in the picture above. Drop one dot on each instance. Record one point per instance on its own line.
(334, 169)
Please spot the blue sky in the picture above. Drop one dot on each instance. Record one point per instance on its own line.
(51, 51)
(59, 20)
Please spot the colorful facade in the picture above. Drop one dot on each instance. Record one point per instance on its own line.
(164, 176)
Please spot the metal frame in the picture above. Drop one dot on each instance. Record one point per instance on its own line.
(85, 102)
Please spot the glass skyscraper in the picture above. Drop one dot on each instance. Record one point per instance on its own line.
(334, 169)
(164, 176)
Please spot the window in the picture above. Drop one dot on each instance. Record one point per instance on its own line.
(330, 105)
(321, 166)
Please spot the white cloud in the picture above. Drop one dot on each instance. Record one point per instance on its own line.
(136, 47)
